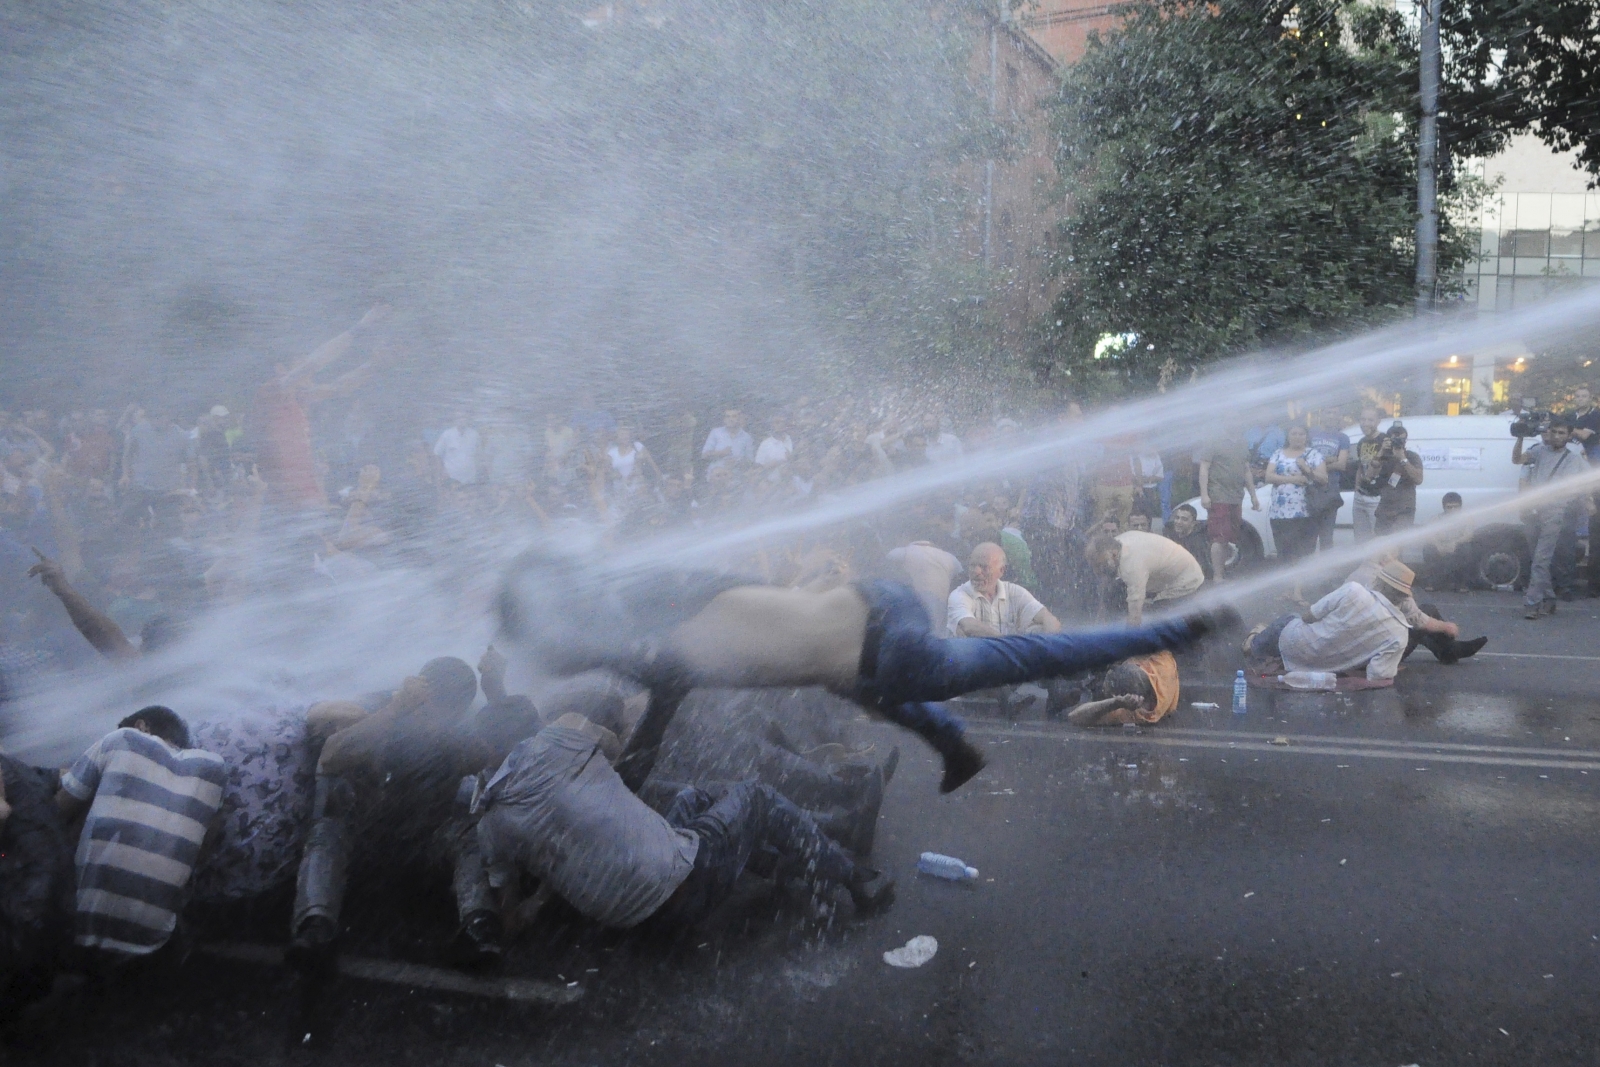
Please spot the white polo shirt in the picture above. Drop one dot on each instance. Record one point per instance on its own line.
(1012, 610)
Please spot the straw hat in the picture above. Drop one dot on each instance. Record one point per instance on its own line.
(1397, 576)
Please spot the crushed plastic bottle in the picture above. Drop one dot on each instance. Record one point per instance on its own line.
(1240, 692)
(1309, 679)
(947, 867)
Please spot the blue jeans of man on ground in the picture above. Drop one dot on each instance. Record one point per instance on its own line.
(744, 819)
(906, 671)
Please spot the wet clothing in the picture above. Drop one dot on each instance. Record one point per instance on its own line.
(931, 570)
(1162, 670)
(150, 807)
(904, 668)
(1354, 626)
(557, 808)
(730, 825)
(281, 433)
(1228, 473)
(266, 802)
(1011, 610)
(1154, 567)
(35, 873)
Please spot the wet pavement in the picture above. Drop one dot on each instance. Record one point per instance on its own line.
(1395, 877)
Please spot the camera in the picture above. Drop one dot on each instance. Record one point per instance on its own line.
(1531, 424)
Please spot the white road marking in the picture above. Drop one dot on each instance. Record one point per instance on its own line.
(394, 972)
(1535, 655)
(1311, 745)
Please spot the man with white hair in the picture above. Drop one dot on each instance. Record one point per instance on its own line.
(988, 606)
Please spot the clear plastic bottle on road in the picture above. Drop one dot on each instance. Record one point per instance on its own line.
(947, 867)
(1310, 679)
(1240, 692)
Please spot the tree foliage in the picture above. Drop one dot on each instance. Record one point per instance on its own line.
(1513, 65)
(1237, 174)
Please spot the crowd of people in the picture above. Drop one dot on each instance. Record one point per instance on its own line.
(118, 536)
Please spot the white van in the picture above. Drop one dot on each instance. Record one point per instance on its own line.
(1467, 454)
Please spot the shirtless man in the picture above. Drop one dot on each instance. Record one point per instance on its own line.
(867, 641)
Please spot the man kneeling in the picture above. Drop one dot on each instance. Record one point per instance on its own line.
(557, 810)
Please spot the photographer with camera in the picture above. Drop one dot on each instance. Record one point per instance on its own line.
(1553, 525)
(1365, 450)
(1390, 474)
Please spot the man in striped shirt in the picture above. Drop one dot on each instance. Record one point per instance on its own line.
(151, 799)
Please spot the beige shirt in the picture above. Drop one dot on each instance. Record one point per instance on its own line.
(931, 570)
(1156, 568)
(1011, 611)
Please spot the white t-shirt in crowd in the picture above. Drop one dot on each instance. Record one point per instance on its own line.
(775, 450)
(722, 439)
(625, 465)
(930, 570)
(458, 450)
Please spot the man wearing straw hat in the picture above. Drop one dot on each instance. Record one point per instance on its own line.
(1351, 627)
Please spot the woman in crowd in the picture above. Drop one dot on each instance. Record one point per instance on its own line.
(1291, 471)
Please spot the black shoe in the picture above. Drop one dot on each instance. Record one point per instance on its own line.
(864, 820)
(1217, 620)
(1463, 649)
(871, 889)
(890, 765)
(477, 943)
(311, 950)
(960, 764)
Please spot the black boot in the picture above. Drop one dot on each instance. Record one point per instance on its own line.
(477, 944)
(870, 889)
(962, 761)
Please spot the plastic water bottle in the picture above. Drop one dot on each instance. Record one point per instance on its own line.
(1240, 690)
(947, 867)
(1310, 679)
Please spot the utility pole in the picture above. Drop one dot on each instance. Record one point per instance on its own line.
(1427, 187)
(1428, 159)
(988, 164)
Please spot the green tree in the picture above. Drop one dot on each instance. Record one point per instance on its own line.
(1513, 65)
(1237, 174)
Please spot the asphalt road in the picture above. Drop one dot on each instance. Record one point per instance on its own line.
(1409, 879)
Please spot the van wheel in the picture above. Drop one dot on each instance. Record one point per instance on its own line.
(1248, 553)
(1502, 559)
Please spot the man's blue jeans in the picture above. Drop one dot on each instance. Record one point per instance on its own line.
(905, 669)
(732, 825)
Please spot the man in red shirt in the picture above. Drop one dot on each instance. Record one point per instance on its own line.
(282, 425)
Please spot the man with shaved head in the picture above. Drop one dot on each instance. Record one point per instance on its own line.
(988, 606)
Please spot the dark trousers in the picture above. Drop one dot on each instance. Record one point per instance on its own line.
(325, 863)
(905, 669)
(1441, 645)
(1387, 522)
(745, 819)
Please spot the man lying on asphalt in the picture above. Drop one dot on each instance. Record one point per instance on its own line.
(557, 811)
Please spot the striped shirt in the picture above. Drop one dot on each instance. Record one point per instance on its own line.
(142, 835)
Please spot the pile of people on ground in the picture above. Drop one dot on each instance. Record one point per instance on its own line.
(705, 732)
